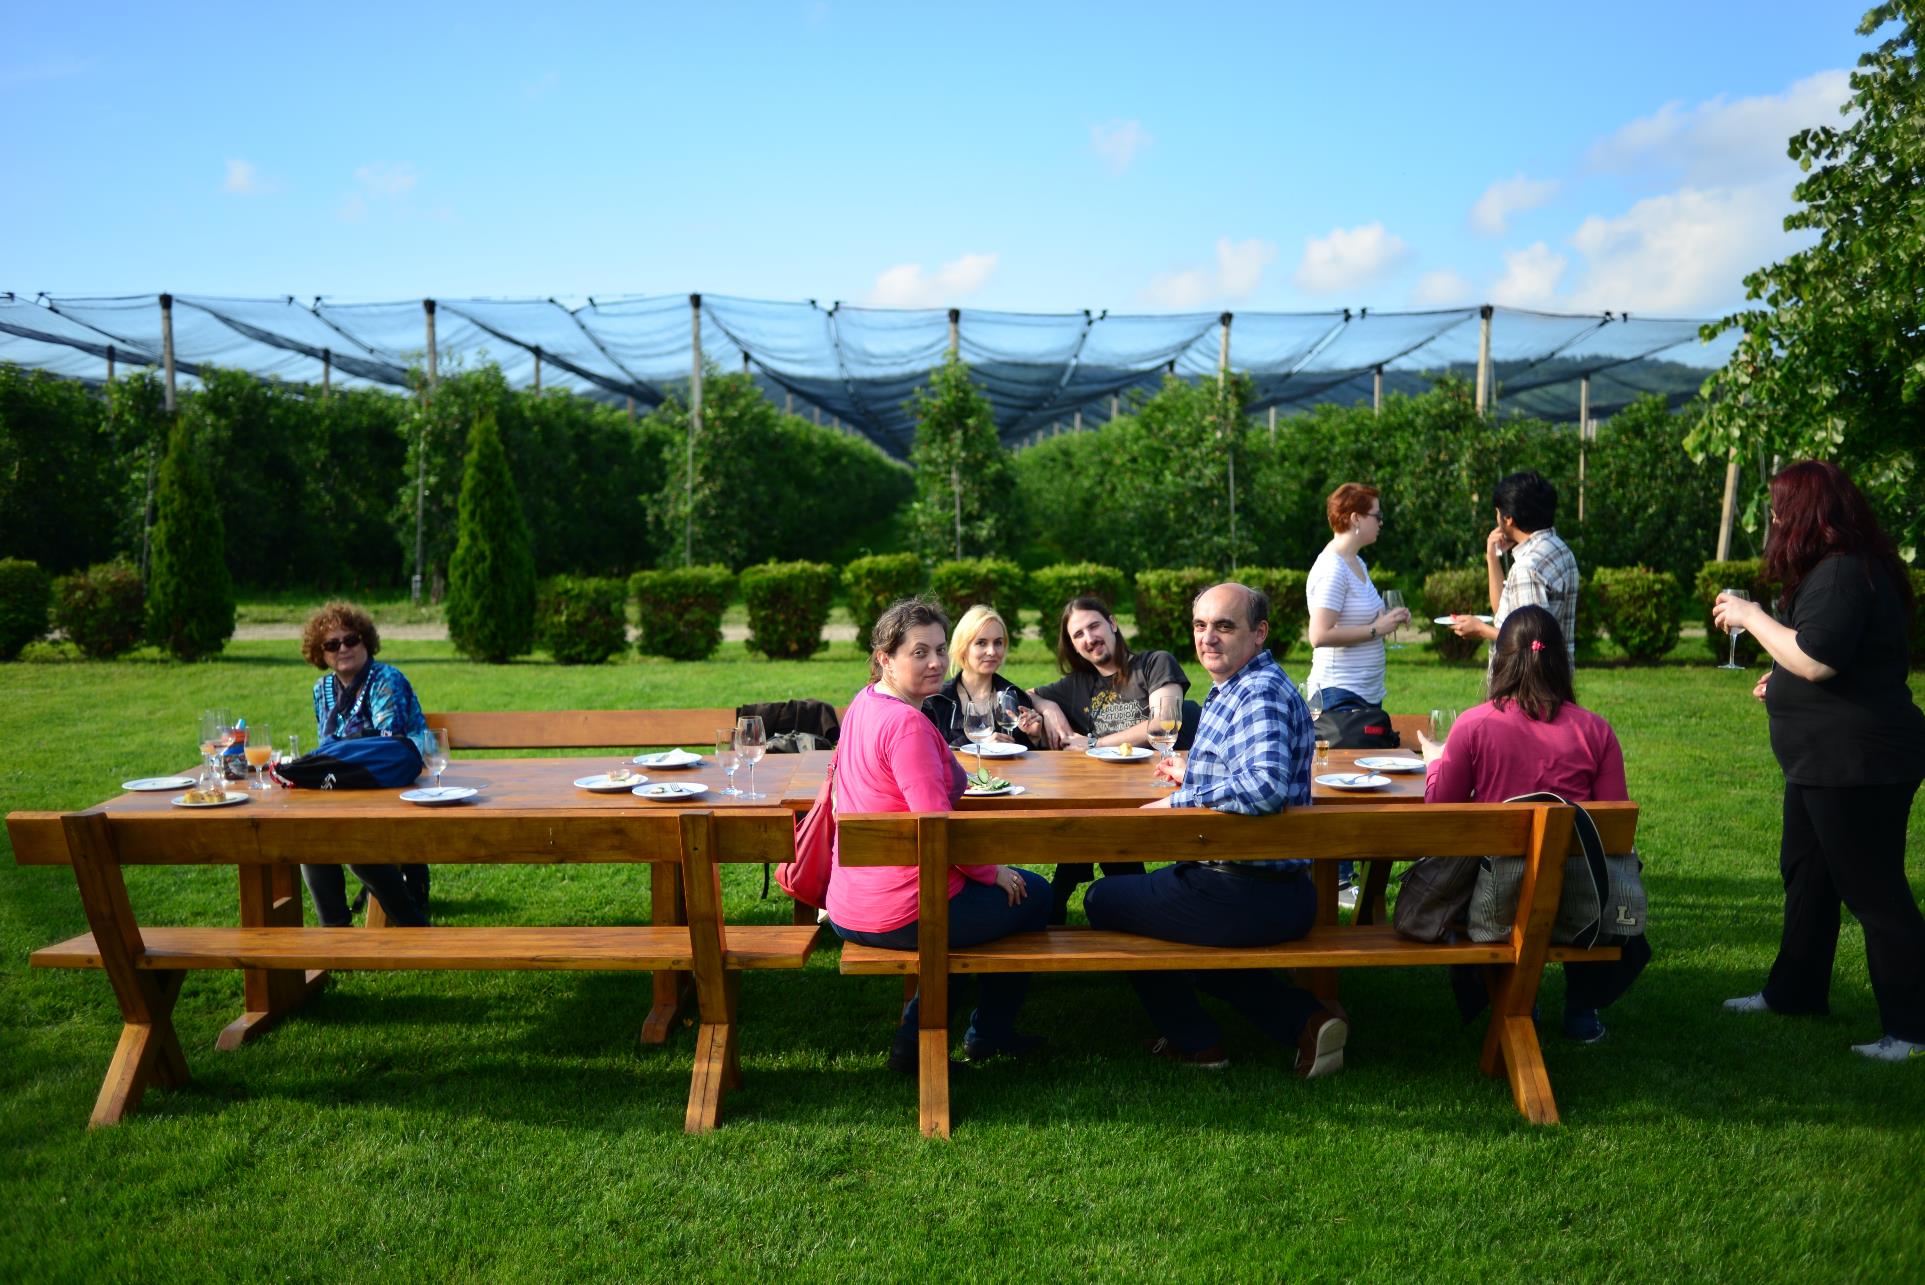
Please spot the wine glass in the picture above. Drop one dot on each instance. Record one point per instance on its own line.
(259, 750)
(1008, 712)
(437, 757)
(751, 741)
(1731, 661)
(1166, 716)
(1393, 600)
(1314, 699)
(728, 758)
(217, 733)
(979, 724)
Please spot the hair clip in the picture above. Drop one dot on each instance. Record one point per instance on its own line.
(1537, 644)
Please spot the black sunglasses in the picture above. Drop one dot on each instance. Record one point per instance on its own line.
(333, 645)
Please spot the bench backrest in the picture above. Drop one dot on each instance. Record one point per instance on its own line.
(567, 729)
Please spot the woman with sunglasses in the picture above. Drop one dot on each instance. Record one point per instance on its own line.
(358, 696)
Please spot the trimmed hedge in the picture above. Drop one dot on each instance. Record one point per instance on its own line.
(102, 610)
(25, 593)
(788, 604)
(1713, 578)
(582, 620)
(1457, 591)
(874, 582)
(960, 585)
(1052, 586)
(681, 610)
(1642, 611)
(1289, 605)
(1163, 601)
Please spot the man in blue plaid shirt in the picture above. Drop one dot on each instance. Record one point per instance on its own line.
(1253, 751)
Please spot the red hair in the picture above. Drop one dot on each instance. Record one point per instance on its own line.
(1816, 511)
(1351, 500)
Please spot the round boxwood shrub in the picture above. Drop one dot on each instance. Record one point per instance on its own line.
(1641, 610)
(102, 610)
(874, 582)
(491, 575)
(995, 582)
(1163, 601)
(190, 597)
(1289, 607)
(24, 595)
(788, 604)
(1715, 577)
(1455, 591)
(681, 610)
(582, 620)
(1050, 587)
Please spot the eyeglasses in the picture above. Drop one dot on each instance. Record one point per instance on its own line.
(333, 645)
(1378, 516)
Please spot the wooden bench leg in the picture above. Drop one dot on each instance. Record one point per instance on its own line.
(1371, 900)
(718, 990)
(271, 898)
(1322, 982)
(148, 1053)
(932, 968)
(1524, 1063)
(672, 991)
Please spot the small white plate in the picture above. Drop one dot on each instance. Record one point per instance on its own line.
(1121, 754)
(439, 796)
(1353, 781)
(1391, 764)
(976, 792)
(667, 758)
(230, 796)
(603, 785)
(1448, 621)
(159, 783)
(996, 750)
(669, 791)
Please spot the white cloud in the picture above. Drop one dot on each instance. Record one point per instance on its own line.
(1530, 277)
(1506, 197)
(1682, 253)
(1118, 142)
(907, 286)
(1721, 141)
(1442, 289)
(1237, 273)
(1348, 258)
(243, 179)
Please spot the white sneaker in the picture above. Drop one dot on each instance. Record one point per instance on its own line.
(1747, 1004)
(1889, 1048)
(1347, 895)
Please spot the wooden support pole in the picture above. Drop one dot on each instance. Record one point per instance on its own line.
(1484, 360)
(1115, 405)
(788, 402)
(631, 410)
(167, 348)
(110, 363)
(1078, 425)
(955, 331)
(1583, 436)
(955, 464)
(694, 427)
(1229, 430)
(817, 412)
(327, 371)
(421, 458)
(1273, 423)
(745, 363)
(1377, 391)
(537, 368)
(1730, 506)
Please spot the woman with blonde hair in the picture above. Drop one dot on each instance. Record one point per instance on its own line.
(977, 648)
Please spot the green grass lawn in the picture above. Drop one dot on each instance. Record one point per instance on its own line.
(508, 1126)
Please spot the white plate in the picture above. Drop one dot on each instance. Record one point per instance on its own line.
(1353, 781)
(439, 796)
(1121, 754)
(602, 785)
(159, 783)
(230, 796)
(1448, 621)
(1391, 764)
(669, 791)
(995, 750)
(973, 792)
(667, 758)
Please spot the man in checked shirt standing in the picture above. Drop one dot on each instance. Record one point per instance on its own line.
(1543, 569)
(1253, 750)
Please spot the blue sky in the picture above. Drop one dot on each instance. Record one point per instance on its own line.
(1036, 156)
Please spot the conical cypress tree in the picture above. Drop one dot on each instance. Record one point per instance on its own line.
(491, 577)
(190, 597)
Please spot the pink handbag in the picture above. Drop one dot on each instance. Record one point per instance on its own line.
(807, 877)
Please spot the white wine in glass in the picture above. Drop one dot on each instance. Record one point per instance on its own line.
(1731, 661)
(1166, 717)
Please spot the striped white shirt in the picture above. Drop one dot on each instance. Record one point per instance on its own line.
(1359, 667)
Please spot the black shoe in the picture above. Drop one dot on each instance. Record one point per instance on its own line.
(910, 1062)
(1015, 1046)
(360, 900)
(1210, 1059)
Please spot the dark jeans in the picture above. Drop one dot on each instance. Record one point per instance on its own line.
(1063, 885)
(1847, 844)
(1209, 906)
(979, 912)
(401, 890)
(1587, 986)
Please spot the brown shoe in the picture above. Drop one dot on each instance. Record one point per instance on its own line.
(1210, 1059)
(1320, 1047)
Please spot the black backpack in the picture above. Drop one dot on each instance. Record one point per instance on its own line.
(1358, 727)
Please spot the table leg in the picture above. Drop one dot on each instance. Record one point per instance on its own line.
(1371, 902)
(270, 897)
(673, 991)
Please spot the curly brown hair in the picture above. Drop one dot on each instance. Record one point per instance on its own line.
(327, 618)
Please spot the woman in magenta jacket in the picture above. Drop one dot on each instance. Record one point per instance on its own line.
(891, 758)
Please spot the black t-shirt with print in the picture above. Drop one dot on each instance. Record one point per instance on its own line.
(1094, 703)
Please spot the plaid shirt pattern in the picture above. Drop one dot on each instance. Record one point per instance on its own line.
(1253, 749)
(1543, 574)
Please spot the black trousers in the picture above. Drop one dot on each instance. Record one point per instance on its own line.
(401, 890)
(1847, 844)
(1063, 885)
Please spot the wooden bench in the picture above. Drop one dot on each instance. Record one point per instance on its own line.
(146, 963)
(1540, 833)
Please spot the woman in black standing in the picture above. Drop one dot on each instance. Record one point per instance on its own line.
(1852, 746)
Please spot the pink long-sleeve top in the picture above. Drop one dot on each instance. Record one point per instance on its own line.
(1492, 755)
(890, 758)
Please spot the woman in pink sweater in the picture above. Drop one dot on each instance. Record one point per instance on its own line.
(891, 758)
(1532, 735)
